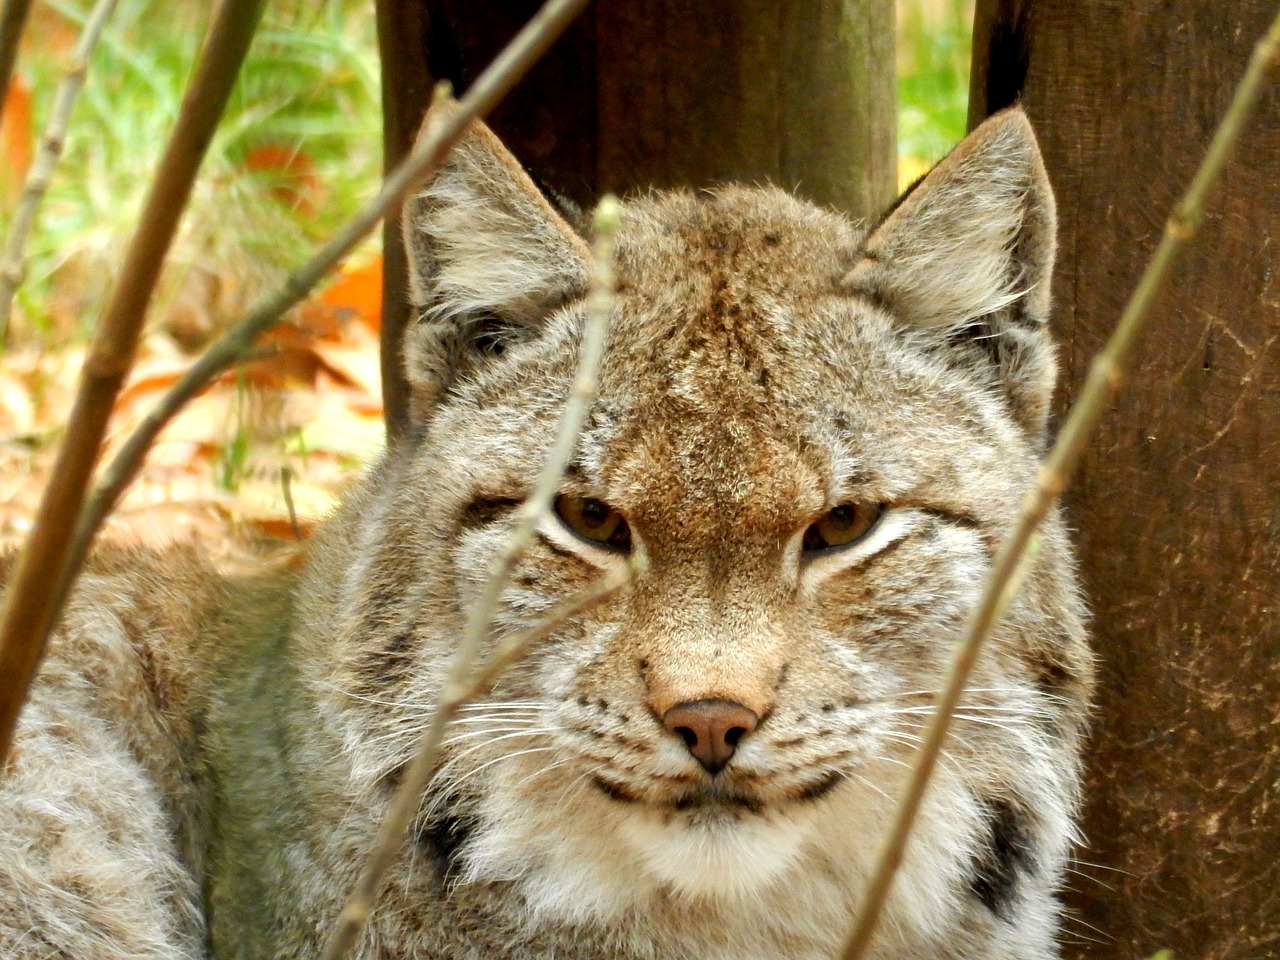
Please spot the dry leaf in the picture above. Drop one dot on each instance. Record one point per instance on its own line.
(17, 139)
(359, 291)
(292, 178)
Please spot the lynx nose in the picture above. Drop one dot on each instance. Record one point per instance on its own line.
(711, 729)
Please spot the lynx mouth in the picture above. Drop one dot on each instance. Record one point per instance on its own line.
(708, 798)
(716, 797)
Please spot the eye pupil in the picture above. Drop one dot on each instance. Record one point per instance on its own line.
(842, 526)
(594, 520)
(594, 513)
(842, 517)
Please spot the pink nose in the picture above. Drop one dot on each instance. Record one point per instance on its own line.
(711, 729)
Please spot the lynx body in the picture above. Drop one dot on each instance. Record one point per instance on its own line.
(815, 437)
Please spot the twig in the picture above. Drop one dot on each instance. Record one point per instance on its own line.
(1104, 378)
(24, 632)
(286, 488)
(41, 173)
(13, 19)
(462, 679)
(30, 606)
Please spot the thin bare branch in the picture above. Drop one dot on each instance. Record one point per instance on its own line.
(30, 606)
(463, 681)
(13, 20)
(1104, 379)
(41, 173)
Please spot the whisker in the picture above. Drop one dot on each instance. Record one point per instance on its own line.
(1012, 715)
(491, 732)
(869, 785)
(915, 742)
(1102, 866)
(443, 786)
(1092, 879)
(537, 773)
(504, 705)
(506, 756)
(1078, 921)
(457, 758)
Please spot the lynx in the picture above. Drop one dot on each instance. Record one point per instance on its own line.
(816, 438)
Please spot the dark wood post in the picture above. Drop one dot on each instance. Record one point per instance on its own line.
(658, 93)
(1178, 503)
(403, 29)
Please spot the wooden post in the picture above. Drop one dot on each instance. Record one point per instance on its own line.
(660, 93)
(403, 29)
(1178, 505)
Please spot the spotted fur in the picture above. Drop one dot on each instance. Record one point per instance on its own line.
(212, 754)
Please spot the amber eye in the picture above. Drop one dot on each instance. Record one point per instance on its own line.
(594, 520)
(846, 524)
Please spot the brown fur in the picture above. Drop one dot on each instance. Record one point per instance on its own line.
(238, 740)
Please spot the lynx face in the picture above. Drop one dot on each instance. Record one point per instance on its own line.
(816, 440)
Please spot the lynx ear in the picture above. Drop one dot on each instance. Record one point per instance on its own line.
(968, 255)
(489, 258)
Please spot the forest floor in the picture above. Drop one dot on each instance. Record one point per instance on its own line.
(261, 455)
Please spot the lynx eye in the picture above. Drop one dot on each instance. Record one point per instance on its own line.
(843, 526)
(594, 520)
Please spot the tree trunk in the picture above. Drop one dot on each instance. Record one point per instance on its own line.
(661, 93)
(1176, 503)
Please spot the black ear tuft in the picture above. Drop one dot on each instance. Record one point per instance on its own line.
(1008, 57)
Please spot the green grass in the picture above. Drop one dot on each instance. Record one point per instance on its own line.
(934, 42)
(309, 87)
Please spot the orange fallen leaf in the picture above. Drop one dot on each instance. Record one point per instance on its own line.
(286, 358)
(293, 179)
(280, 528)
(16, 140)
(358, 290)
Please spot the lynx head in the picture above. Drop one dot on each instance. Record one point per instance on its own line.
(817, 438)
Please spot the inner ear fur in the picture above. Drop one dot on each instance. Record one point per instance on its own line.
(967, 256)
(489, 258)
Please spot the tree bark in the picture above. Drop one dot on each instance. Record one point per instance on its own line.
(1176, 506)
(644, 93)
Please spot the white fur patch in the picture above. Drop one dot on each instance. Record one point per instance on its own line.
(719, 854)
(784, 875)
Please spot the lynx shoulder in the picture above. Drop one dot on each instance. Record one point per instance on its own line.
(815, 436)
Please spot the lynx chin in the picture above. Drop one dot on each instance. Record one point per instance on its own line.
(815, 435)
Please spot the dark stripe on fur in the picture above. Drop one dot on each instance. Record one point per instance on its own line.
(443, 838)
(1005, 856)
(386, 665)
(485, 510)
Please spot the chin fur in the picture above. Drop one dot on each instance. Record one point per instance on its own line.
(788, 875)
(722, 854)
